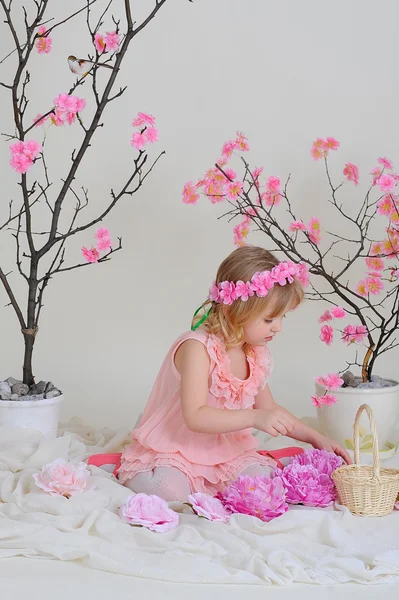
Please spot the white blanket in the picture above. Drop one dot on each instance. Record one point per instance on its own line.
(322, 546)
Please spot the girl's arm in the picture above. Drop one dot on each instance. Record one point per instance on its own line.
(192, 362)
(301, 432)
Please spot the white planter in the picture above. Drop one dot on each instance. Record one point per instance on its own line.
(41, 415)
(337, 421)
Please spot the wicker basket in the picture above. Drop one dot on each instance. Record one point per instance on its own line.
(365, 490)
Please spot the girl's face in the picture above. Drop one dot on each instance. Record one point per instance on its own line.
(262, 330)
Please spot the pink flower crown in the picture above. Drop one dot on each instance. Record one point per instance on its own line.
(261, 282)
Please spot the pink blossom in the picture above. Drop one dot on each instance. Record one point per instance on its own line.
(32, 149)
(385, 162)
(23, 154)
(112, 40)
(40, 120)
(234, 189)
(297, 226)
(102, 232)
(152, 134)
(244, 290)
(376, 173)
(338, 312)
(351, 172)
(261, 283)
(214, 294)
(104, 244)
(91, 255)
(283, 273)
(60, 478)
(66, 109)
(331, 143)
(209, 507)
(374, 285)
(361, 288)
(228, 149)
(326, 316)
(190, 195)
(20, 163)
(375, 263)
(43, 43)
(260, 497)
(318, 149)
(227, 292)
(306, 485)
(241, 232)
(138, 140)
(143, 119)
(354, 334)
(231, 174)
(99, 43)
(149, 511)
(303, 274)
(257, 172)
(386, 183)
(327, 334)
(273, 184)
(385, 206)
(332, 381)
(313, 229)
(316, 401)
(271, 198)
(241, 142)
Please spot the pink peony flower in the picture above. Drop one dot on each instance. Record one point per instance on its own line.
(190, 195)
(143, 119)
(99, 43)
(91, 255)
(351, 172)
(152, 134)
(149, 511)
(306, 485)
(112, 40)
(297, 226)
(138, 140)
(327, 334)
(209, 507)
(43, 43)
(244, 290)
(260, 497)
(60, 478)
(331, 381)
(354, 334)
(386, 183)
(326, 316)
(385, 162)
(324, 461)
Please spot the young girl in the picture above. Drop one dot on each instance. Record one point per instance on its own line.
(195, 434)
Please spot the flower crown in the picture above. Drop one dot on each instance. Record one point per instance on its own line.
(261, 282)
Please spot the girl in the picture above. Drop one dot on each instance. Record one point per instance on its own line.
(195, 434)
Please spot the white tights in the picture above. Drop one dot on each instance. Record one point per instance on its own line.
(171, 484)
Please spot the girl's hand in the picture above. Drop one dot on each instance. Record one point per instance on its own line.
(276, 421)
(331, 446)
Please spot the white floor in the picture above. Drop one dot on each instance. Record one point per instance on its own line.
(37, 579)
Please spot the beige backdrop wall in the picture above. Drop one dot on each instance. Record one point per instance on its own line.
(282, 72)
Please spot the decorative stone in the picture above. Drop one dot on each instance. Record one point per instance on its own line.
(11, 381)
(350, 380)
(49, 386)
(53, 393)
(37, 388)
(16, 397)
(5, 395)
(21, 389)
(34, 397)
(5, 387)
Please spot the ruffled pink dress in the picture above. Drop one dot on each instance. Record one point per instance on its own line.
(210, 461)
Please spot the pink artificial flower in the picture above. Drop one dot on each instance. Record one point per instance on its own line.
(149, 511)
(43, 43)
(354, 334)
(303, 274)
(351, 172)
(20, 163)
(143, 119)
(32, 149)
(327, 334)
(244, 290)
(227, 293)
(112, 40)
(40, 120)
(376, 249)
(318, 149)
(273, 184)
(209, 507)
(138, 140)
(99, 43)
(214, 294)
(66, 109)
(104, 244)
(260, 497)
(385, 162)
(231, 174)
(190, 195)
(331, 143)
(338, 312)
(228, 149)
(324, 461)
(241, 142)
(283, 273)
(375, 263)
(91, 255)
(297, 226)
(385, 206)
(257, 172)
(261, 283)
(60, 478)
(306, 485)
(102, 232)
(332, 381)
(313, 229)
(361, 288)
(23, 154)
(152, 134)
(376, 173)
(386, 183)
(374, 285)
(326, 316)
(316, 401)
(234, 189)
(241, 232)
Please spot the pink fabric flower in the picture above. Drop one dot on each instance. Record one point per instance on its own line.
(244, 290)
(375, 263)
(326, 316)
(228, 149)
(214, 294)
(303, 274)
(332, 381)
(209, 507)
(152, 134)
(190, 195)
(325, 462)
(260, 497)
(385, 206)
(374, 285)
(231, 174)
(354, 334)
(338, 312)
(66, 109)
(331, 143)
(297, 226)
(104, 243)
(261, 283)
(241, 142)
(101, 233)
(91, 255)
(234, 189)
(306, 485)
(241, 232)
(283, 273)
(313, 229)
(20, 163)
(318, 150)
(273, 184)
(385, 162)
(227, 292)
(40, 120)
(149, 511)
(43, 43)
(23, 155)
(60, 478)
(99, 43)
(138, 140)
(351, 172)
(386, 183)
(327, 334)
(112, 40)
(143, 119)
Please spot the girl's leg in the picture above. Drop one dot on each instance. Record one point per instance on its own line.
(166, 482)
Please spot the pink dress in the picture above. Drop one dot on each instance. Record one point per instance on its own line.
(210, 461)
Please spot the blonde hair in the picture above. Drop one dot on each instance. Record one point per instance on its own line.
(228, 321)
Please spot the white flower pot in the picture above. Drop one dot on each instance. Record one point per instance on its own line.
(41, 415)
(337, 421)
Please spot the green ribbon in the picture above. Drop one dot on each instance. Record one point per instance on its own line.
(204, 318)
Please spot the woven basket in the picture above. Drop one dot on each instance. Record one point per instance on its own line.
(365, 490)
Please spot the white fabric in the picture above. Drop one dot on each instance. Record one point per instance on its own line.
(304, 545)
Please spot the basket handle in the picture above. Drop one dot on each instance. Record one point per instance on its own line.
(376, 455)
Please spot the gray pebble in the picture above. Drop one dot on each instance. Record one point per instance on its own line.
(16, 397)
(53, 393)
(11, 381)
(21, 389)
(37, 388)
(5, 395)
(5, 386)
(34, 397)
